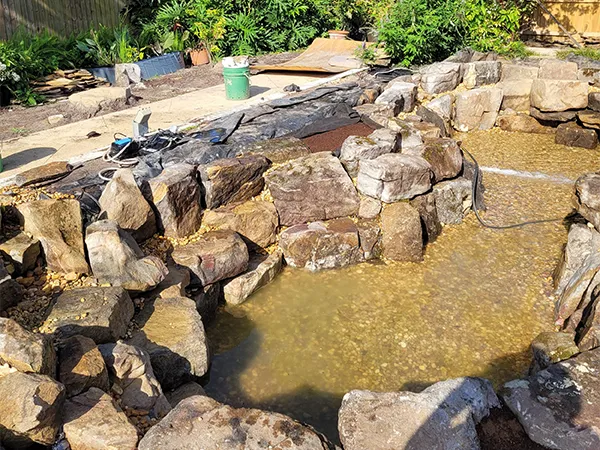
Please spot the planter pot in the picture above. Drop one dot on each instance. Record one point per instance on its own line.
(338, 34)
(5, 96)
(199, 57)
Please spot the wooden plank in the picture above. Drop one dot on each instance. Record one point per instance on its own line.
(582, 16)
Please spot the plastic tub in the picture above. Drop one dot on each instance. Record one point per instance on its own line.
(161, 65)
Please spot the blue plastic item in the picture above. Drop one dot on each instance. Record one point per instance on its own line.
(161, 65)
(108, 73)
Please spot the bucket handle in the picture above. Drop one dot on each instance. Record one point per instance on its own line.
(249, 79)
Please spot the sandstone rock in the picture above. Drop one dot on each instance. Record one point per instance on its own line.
(453, 200)
(97, 97)
(440, 77)
(21, 251)
(439, 113)
(123, 202)
(572, 135)
(519, 72)
(321, 245)
(553, 118)
(255, 221)
(43, 174)
(587, 198)
(480, 73)
(26, 351)
(94, 421)
(559, 95)
(377, 115)
(517, 94)
(369, 234)
(102, 314)
(551, 347)
(443, 155)
(442, 417)
(199, 423)
(188, 390)
(443, 106)
(399, 94)
(175, 283)
(553, 69)
(522, 123)
(477, 109)
(589, 119)
(171, 332)
(402, 233)
(81, 366)
(131, 370)
(214, 256)
(11, 292)
(594, 101)
(232, 180)
(261, 271)
(31, 409)
(588, 333)
(558, 406)
(411, 138)
(394, 177)
(279, 150)
(207, 300)
(175, 194)
(357, 148)
(369, 208)
(58, 226)
(430, 221)
(304, 190)
(117, 259)
(55, 119)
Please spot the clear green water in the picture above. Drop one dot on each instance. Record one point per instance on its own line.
(471, 308)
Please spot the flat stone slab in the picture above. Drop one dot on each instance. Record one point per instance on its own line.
(572, 135)
(93, 98)
(278, 150)
(46, 173)
(312, 188)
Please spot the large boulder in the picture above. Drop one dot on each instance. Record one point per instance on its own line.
(480, 73)
(558, 407)
(522, 123)
(199, 423)
(255, 221)
(399, 94)
(175, 194)
(431, 224)
(453, 200)
(322, 245)
(394, 177)
(26, 351)
(261, 271)
(572, 135)
(594, 101)
(402, 233)
(172, 333)
(519, 72)
(587, 198)
(117, 259)
(130, 369)
(22, 252)
(440, 77)
(517, 94)
(312, 188)
(477, 109)
(551, 347)
(214, 256)
(443, 155)
(442, 417)
(58, 226)
(559, 95)
(232, 180)
(30, 409)
(357, 148)
(187, 390)
(94, 421)
(208, 299)
(278, 150)
(369, 234)
(102, 314)
(11, 292)
(123, 202)
(440, 112)
(554, 69)
(81, 366)
(369, 208)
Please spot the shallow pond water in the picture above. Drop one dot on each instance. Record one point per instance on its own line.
(471, 308)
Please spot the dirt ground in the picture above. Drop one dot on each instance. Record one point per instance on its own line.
(17, 121)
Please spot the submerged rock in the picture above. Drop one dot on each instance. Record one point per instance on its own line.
(215, 256)
(558, 407)
(442, 417)
(58, 226)
(199, 423)
(551, 347)
(30, 409)
(312, 188)
(171, 332)
(402, 233)
(102, 314)
(81, 366)
(572, 135)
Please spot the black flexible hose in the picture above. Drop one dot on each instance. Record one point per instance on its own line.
(475, 188)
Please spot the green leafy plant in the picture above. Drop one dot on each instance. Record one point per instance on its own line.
(209, 29)
(368, 55)
(586, 52)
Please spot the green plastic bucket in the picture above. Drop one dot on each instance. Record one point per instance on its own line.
(237, 82)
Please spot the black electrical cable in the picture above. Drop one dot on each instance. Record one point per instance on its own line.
(475, 190)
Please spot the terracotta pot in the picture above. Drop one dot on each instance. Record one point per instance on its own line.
(199, 57)
(338, 34)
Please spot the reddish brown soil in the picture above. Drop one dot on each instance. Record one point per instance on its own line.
(17, 121)
(333, 140)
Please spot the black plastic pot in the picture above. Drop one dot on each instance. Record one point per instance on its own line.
(5, 96)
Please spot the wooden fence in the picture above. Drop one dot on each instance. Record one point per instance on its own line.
(61, 17)
(579, 17)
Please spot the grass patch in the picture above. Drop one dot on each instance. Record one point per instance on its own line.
(589, 53)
